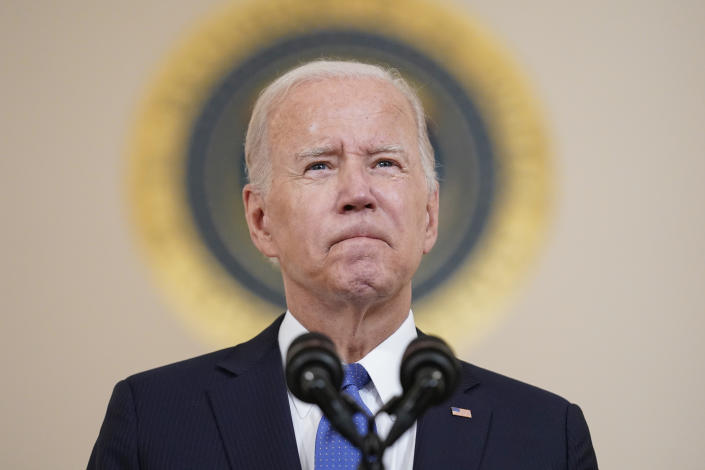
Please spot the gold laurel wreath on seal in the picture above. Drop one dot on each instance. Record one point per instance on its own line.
(211, 301)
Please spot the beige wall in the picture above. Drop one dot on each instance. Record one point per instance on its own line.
(611, 316)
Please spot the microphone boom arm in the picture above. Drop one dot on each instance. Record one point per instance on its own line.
(413, 403)
(337, 410)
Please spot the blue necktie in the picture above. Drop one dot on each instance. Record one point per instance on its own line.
(333, 451)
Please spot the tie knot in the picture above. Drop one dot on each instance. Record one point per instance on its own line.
(355, 375)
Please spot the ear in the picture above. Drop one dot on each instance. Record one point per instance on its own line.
(257, 221)
(431, 221)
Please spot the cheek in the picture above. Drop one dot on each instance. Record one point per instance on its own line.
(407, 209)
(392, 197)
(299, 224)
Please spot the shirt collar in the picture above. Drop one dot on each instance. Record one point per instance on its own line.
(289, 330)
(382, 363)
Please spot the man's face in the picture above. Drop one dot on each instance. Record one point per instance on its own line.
(348, 212)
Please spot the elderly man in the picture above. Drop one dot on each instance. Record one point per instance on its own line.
(343, 195)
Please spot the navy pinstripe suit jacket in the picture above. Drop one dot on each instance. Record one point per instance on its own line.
(229, 410)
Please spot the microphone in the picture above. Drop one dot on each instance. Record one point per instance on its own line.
(429, 374)
(314, 374)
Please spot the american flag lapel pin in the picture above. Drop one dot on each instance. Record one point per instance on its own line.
(462, 412)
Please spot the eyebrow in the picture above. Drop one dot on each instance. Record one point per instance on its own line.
(392, 148)
(332, 149)
(316, 152)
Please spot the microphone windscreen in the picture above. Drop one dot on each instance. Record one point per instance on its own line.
(430, 352)
(312, 352)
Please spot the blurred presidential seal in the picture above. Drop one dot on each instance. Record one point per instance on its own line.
(187, 161)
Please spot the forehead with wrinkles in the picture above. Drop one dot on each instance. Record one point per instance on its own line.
(332, 112)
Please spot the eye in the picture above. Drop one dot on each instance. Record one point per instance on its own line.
(385, 163)
(317, 166)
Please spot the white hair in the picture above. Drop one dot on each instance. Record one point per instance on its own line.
(259, 165)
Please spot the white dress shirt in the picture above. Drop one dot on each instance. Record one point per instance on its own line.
(382, 364)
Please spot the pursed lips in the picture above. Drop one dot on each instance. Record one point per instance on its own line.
(357, 233)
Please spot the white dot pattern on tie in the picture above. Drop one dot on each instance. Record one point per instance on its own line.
(333, 451)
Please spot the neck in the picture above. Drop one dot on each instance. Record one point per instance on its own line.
(356, 328)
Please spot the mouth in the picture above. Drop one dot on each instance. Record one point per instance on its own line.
(355, 234)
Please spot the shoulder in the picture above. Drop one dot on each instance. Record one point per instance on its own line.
(528, 423)
(182, 373)
(207, 370)
(517, 403)
(503, 389)
(540, 419)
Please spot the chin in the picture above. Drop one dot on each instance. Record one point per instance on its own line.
(364, 285)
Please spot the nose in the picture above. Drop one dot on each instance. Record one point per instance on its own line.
(355, 189)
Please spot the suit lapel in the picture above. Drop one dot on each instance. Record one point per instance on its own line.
(252, 407)
(447, 441)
